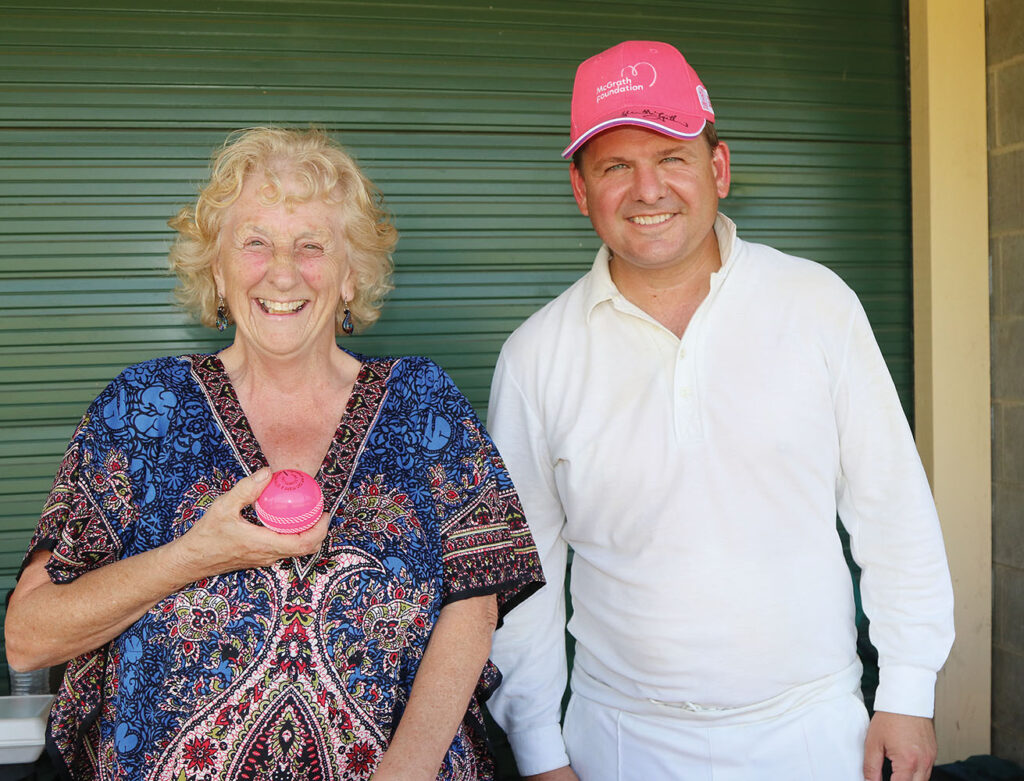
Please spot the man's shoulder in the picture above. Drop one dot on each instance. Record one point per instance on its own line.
(768, 267)
(566, 313)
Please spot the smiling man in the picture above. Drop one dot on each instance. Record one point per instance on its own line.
(689, 418)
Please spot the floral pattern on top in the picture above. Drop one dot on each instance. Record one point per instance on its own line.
(301, 670)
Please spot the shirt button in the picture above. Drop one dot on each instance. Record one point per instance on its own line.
(684, 393)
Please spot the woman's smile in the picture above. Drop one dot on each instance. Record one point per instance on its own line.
(280, 307)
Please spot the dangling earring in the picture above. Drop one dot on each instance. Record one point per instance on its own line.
(346, 323)
(222, 313)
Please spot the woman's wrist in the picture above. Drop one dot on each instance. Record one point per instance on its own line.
(176, 563)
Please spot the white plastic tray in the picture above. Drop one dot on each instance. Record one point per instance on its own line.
(23, 727)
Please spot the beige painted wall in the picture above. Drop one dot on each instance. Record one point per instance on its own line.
(951, 339)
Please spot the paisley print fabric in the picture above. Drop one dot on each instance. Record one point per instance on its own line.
(301, 670)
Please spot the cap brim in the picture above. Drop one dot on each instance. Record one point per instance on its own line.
(637, 121)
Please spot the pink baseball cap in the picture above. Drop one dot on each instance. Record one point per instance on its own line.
(644, 83)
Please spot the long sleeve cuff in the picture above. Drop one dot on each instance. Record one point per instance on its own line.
(539, 749)
(906, 689)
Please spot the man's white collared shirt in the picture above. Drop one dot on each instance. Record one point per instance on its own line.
(697, 481)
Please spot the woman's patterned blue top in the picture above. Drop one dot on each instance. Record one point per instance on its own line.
(300, 670)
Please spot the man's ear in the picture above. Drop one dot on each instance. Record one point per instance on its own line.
(579, 189)
(720, 165)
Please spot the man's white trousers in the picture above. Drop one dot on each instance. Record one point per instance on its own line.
(819, 741)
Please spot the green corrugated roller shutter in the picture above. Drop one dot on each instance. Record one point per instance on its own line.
(458, 110)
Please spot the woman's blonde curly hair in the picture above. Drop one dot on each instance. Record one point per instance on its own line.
(327, 173)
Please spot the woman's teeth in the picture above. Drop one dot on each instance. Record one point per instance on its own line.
(280, 307)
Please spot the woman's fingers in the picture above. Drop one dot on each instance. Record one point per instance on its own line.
(303, 543)
(227, 542)
(244, 492)
(222, 540)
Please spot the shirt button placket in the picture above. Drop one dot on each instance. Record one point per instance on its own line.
(685, 411)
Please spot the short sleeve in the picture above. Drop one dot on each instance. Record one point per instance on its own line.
(487, 547)
(90, 487)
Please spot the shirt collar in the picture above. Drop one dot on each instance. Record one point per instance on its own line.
(600, 288)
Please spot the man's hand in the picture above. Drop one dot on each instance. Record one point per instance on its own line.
(561, 774)
(908, 741)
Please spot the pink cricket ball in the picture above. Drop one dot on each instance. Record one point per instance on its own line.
(291, 503)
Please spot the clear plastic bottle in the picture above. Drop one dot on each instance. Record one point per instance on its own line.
(32, 682)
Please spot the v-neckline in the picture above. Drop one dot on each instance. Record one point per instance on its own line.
(336, 468)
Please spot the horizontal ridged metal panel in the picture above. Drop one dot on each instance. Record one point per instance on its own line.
(458, 110)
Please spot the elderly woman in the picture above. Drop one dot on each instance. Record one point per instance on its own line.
(202, 645)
